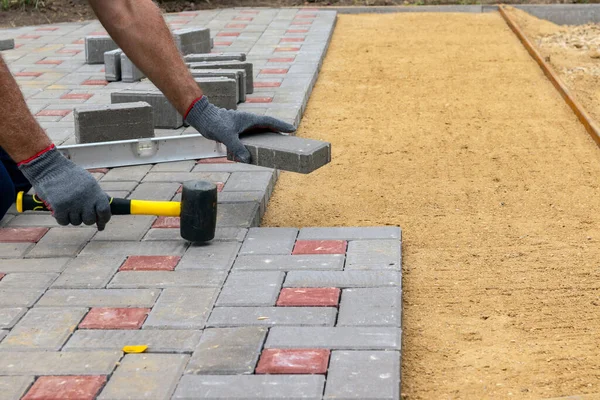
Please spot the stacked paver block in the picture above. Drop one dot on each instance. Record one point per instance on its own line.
(96, 46)
(7, 44)
(165, 115)
(129, 71)
(222, 92)
(247, 66)
(238, 74)
(192, 40)
(112, 122)
(112, 65)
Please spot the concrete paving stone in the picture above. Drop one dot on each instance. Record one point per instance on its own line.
(293, 361)
(215, 57)
(258, 197)
(165, 115)
(43, 329)
(336, 338)
(228, 167)
(10, 316)
(110, 122)
(14, 387)
(240, 215)
(118, 186)
(272, 316)
(269, 241)
(66, 387)
(19, 363)
(342, 279)
(249, 181)
(19, 297)
(157, 340)
(192, 40)
(224, 351)
(176, 166)
(135, 248)
(165, 279)
(250, 387)
(212, 255)
(288, 153)
(251, 288)
(28, 280)
(221, 91)
(129, 71)
(62, 242)
(96, 46)
(98, 298)
(247, 66)
(239, 75)
(350, 233)
(363, 375)
(7, 44)
(181, 177)
(112, 65)
(126, 227)
(145, 376)
(371, 307)
(181, 308)
(374, 255)
(311, 262)
(134, 173)
(88, 272)
(13, 250)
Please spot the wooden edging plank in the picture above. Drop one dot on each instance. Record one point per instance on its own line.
(577, 108)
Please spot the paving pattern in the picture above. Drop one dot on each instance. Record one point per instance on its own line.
(259, 313)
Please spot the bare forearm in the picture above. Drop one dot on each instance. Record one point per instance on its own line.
(140, 30)
(20, 134)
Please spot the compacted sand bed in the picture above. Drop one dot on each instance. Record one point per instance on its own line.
(442, 124)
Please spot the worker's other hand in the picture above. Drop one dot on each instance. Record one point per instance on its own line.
(225, 126)
(69, 191)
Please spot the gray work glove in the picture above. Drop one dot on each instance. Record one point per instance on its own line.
(69, 191)
(225, 126)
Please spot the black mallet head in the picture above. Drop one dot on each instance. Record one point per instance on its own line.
(198, 211)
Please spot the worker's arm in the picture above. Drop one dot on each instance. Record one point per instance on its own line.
(70, 191)
(138, 27)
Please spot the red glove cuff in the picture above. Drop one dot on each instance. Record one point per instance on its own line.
(33, 157)
(191, 106)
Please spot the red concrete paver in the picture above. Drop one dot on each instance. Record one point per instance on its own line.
(49, 62)
(266, 84)
(53, 113)
(320, 247)
(309, 297)
(166, 222)
(249, 12)
(291, 40)
(293, 361)
(225, 34)
(28, 235)
(216, 160)
(274, 71)
(243, 18)
(259, 99)
(114, 318)
(223, 43)
(76, 96)
(65, 388)
(279, 49)
(150, 263)
(297, 31)
(68, 51)
(95, 82)
(281, 59)
(79, 41)
(29, 37)
(2, 275)
(36, 74)
(236, 26)
(97, 170)
(300, 22)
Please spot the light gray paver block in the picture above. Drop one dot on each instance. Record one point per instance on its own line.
(250, 387)
(371, 307)
(88, 272)
(10, 316)
(222, 92)
(35, 220)
(19, 297)
(186, 176)
(350, 233)
(221, 234)
(342, 279)
(158, 341)
(126, 227)
(174, 166)
(27, 280)
(238, 74)
(135, 249)
(192, 40)
(164, 279)
(240, 215)
(15, 363)
(43, 329)
(33, 265)
(311, 262)
(155, 191)
(363, 375)
(247, 66)
(269, 241)
(7, 44)
(165, 115)
(251, 288)
(337, 338)
(272, 316)
(129, 71)
(249, 181)
(373, 255)
(288, 153)
(223, 351)
(62, 242)
(145, 376)
(112, 65)
(181, 308)
(215, 57)
(129, 174)
(110, 122)
(14, 387)
(14, 250)
(96, 46)
(99, 298)
(212, 255)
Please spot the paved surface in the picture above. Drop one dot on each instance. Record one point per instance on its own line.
(259, 313)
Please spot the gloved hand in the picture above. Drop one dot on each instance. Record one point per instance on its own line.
(225, 126)
(68, 190)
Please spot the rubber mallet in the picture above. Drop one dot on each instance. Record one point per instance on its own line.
(197, 209)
